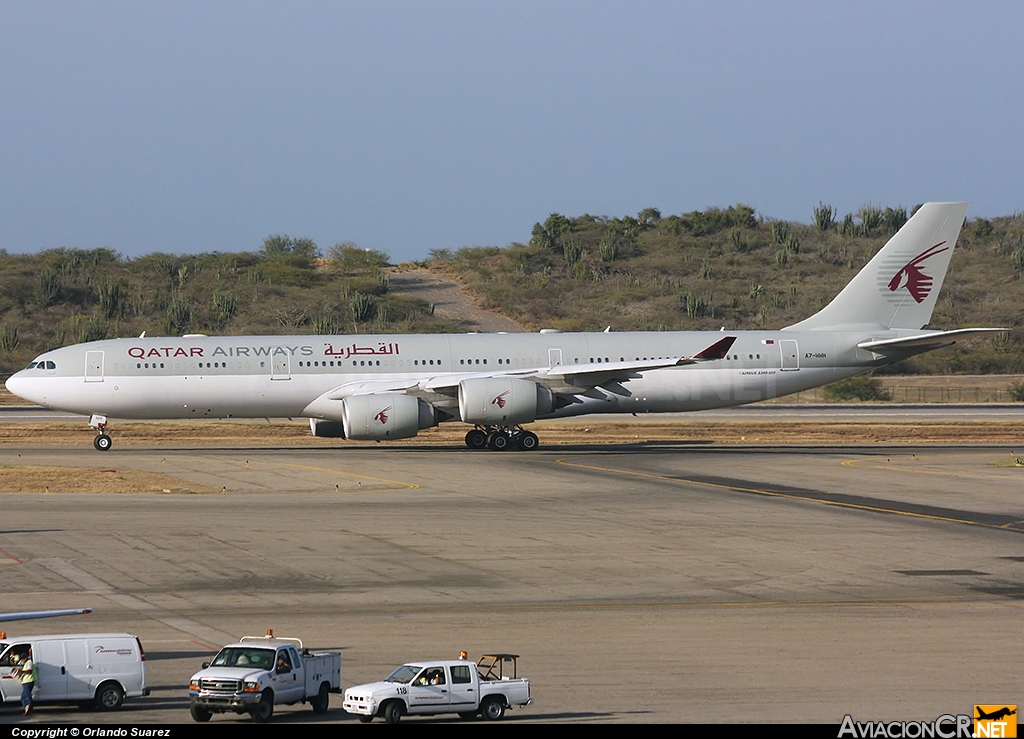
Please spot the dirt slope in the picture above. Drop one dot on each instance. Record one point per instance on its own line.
(450, 300)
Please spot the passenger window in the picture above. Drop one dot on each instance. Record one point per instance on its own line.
(460, 675)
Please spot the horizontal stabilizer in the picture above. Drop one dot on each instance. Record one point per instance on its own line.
(931, 340)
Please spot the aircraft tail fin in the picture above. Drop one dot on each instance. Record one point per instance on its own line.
(898, 288)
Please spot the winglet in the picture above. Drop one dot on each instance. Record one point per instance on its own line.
(717, 350)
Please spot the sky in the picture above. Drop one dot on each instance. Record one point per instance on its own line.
(191, 127)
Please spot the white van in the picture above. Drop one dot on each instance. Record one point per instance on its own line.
(98, 670)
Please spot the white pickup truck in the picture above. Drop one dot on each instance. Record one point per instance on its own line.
(442, 686)
(260, 672)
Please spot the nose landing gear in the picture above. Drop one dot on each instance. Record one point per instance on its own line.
(103, 442)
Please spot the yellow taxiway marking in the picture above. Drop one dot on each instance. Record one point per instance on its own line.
(407, 485)
(877, 464)
(790, 496)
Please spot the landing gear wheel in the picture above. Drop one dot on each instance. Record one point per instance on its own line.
(393, 712)
(500, 442)
(527, 441)
(493, 709)
(199, 713)
(102, 443)
(476, 439)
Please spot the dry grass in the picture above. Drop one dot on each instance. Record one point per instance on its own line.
(38, 479)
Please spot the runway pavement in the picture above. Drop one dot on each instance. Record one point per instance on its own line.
(646, 583)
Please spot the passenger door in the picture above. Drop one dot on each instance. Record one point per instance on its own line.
(286, 681)
(280, 364)
(94, 366)
(10, 683)
(464, 695)
(428, 691)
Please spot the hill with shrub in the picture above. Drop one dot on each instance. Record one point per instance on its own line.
(701, 270)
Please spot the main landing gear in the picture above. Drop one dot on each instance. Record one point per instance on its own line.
(502, 438)
(102, 442)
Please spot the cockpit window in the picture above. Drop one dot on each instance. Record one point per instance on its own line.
(32, 365)
(51, 365)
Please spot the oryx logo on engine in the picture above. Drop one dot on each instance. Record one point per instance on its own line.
(383, 415)
(499, 399)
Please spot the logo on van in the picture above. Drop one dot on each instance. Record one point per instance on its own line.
(101, 650)
(911, 276)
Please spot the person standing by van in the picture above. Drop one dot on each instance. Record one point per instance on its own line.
(27, 670)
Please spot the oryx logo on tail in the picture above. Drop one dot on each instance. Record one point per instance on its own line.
(383, 415)
(910, 275)
(499, 400)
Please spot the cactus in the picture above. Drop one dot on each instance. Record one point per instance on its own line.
(824, 217)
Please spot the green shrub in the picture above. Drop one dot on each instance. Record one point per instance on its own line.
(861, 387)
(1016, 391)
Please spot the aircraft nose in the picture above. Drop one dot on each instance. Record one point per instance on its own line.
(16, 384)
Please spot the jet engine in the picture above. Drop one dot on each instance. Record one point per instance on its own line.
(327, 429)
(503, 401)
(385, 416)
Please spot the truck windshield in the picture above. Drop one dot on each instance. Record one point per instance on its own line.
(262, 659)
(403, 674)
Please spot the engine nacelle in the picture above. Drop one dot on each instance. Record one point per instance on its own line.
(503, 401)
(385, 416)
(327, 429)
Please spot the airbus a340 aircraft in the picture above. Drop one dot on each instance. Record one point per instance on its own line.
(391, 387)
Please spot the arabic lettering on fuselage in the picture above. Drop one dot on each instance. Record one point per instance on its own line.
(138, 352)
(355, 350)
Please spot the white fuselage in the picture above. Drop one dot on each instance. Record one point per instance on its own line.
(307, 376)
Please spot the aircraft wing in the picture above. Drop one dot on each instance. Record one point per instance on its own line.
(926, 341)
(575, 379)
(572, 379)
(26, 615)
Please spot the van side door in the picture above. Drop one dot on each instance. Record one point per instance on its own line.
(51, 670)
(81, 683)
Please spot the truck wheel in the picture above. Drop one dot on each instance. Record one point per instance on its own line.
(322, 699)
(393, 712)
(199, 713)
(264, 709)
(109, 697)
(493, 709)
